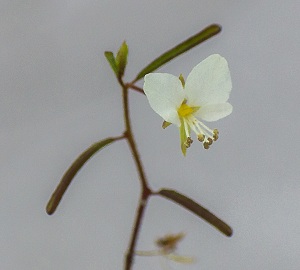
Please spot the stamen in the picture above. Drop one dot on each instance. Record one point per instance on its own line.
(204, 134)
(195, 123)
(201, 131)
(188, 142)
(206, 145)
(206, 127)
(201, 137)
(209, 141)
(216, 134)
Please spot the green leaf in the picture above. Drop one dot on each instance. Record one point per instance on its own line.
(186, 45)
(72, 171)
(112, 61)
(121, 59)
(196, 209)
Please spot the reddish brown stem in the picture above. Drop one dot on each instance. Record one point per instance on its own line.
(145, 190)
(137, 225)
(136, 88)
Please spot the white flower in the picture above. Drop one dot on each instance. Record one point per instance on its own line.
(203, 96)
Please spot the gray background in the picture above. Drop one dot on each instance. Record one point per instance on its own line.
(58, 95)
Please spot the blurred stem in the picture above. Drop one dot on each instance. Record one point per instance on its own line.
(145, 190)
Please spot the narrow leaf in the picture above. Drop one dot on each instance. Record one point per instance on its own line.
(112, 61)
(121, 59)
(196, 209)
(186, 45)
(72, 171)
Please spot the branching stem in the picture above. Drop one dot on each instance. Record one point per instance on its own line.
(136, 88)
(146, 192)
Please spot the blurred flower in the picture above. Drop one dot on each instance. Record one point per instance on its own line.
(203, 96)
(166, 248)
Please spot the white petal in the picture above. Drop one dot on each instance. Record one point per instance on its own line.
(214, 112)
(165, 95)
(209, 82)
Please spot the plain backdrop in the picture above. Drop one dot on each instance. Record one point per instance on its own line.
(58, 95)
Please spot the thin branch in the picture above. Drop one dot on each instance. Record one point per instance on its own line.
(136, 228)
(136, 88)
(145, 190)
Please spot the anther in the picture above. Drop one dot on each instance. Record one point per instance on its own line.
(209, 141)
(188, 142)
(206, 145)
(215, 134)
(201, 137)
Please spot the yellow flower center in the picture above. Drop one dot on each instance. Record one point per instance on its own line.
(185, 110)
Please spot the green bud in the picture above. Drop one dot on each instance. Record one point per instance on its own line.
(121, 59)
